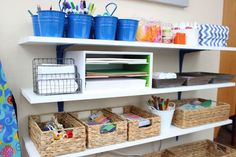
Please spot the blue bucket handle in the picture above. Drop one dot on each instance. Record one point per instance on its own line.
(107, 13)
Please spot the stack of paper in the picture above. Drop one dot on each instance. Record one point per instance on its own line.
(56, 79)
(115, 83)
(114, 73)
(115, 61)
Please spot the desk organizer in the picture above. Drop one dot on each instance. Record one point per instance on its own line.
(190, 118)
(216, 77)
(202, 149)
(103, 70)
(197, 78)
(47, 145)
(164, 83)
(134, 131)
(105, 27)
(35, 23)
(51, 23)
(55, 76)
(79, 26)
(127, 29)
(97, 139)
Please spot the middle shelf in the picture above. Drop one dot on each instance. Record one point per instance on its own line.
(101, 94)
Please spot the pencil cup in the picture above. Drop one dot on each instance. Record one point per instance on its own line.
(166, 118)
(105, 27)
(127, 29)
(35, 23)
(51, 23)
(79, 26)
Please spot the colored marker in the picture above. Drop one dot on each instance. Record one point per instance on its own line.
(30, 13)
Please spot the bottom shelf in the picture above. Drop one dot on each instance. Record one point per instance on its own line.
(175, 131)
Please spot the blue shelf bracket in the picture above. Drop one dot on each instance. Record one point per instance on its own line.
(182, 53)
(60, 54)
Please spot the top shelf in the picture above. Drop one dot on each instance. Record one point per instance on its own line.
(32, 40)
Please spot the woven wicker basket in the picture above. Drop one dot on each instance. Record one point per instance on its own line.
(190, 118)
(97, 139)
(45, 142)
(134, 131)
(205, 148)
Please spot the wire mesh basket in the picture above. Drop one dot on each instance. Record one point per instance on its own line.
(52, 76)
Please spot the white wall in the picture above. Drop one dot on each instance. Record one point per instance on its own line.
(16, 59)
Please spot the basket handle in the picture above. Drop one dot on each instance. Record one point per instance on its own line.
(221, 147)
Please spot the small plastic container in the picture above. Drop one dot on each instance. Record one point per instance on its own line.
(51, 23)
(35, 23)
(127, 29)
(105, 27)
(79, 26)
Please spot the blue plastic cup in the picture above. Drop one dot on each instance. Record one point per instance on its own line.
(35, 23)
(79, 26)
(51, 23)
(127, 29)
(105, 27)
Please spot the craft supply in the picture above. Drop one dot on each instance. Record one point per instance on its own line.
(38, 8)
(30, 13)
(91, 8)
(69, 134)
(164, 75)
(97, 118)
(59, 5)
(72, 5)
(180, 38)
(107, 128)
(167, 33)
(81, 7)
(109, 7)
(149, 31)
(192, 34)
(142, 121)
(196, 104)
(157, 103)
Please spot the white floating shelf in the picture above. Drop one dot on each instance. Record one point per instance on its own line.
(101, 94)
(32, 40)
(174, 131)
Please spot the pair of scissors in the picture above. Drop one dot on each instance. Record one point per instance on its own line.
(107, 13)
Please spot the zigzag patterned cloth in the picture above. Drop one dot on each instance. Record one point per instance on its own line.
(213, 35)
(9, 141)
(213, 42)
